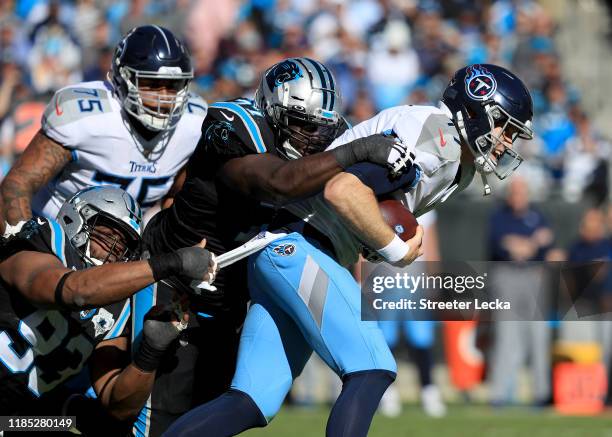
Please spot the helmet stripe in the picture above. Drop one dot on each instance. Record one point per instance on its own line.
(332, 86)
(165, 38)
(305, 69)
(322, 79)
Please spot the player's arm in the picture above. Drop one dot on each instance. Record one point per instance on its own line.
(357, 205)
(272, 179)
(41, 161)
(123, 386)
(179, 180)
(46, 283)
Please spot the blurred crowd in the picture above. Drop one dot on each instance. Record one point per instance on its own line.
(384, 53)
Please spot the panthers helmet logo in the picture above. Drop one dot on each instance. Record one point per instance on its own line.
(281, 73)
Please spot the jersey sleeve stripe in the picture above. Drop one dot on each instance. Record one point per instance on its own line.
(58, 239)
(253, 129)
(142, 424)
(142, 302)
(121, 322)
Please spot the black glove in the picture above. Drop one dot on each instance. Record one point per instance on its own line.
(158, 333)
(192, 262)
(379, 149)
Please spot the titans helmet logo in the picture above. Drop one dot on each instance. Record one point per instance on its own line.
(283, 72)
(480, 84)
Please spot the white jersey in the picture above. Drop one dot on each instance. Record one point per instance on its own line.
(430, 134)
(87, 120)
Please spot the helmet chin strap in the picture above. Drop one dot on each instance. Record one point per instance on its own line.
(487, 187)
(290, 151)
(484, 169)
(482, 166)
(95, 261)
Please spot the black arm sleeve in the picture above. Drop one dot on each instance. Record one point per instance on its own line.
(377, 177)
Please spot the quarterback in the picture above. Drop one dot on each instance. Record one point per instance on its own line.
(304, 298)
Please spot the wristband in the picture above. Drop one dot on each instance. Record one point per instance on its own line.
(59, 290)
(164, 266)
(147, 358)
(395, 250)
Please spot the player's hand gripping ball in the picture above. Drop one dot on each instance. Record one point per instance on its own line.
(401, 220)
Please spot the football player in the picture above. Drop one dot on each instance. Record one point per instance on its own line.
(239, 174)
(303, 299)
(64, 291)
(134, 131)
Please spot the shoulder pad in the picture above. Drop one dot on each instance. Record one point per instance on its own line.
(439, 137)
(196, 105)
(247, 121)
(74, 103)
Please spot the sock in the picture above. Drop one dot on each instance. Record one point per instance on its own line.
(228, 415)
(352, 413)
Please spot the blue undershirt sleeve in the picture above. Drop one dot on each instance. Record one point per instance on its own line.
(377, 177)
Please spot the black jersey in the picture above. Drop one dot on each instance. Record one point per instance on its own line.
(200, 366)
(207, 208)
(42, 350)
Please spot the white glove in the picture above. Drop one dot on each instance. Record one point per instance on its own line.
(399, 159)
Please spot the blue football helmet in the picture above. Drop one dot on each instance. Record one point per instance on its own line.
(152, 57)
(481, 98)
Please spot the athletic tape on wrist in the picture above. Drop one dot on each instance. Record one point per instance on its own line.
(395, 250)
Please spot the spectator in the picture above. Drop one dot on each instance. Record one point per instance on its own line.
(585, 167)
(518, 232)
(393, 65)
(55, 57)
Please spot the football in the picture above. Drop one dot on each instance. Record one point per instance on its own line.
(399, 218)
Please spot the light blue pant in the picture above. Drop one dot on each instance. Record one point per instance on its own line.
(302, 300)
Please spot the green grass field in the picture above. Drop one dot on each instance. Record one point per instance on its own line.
(472, 421)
